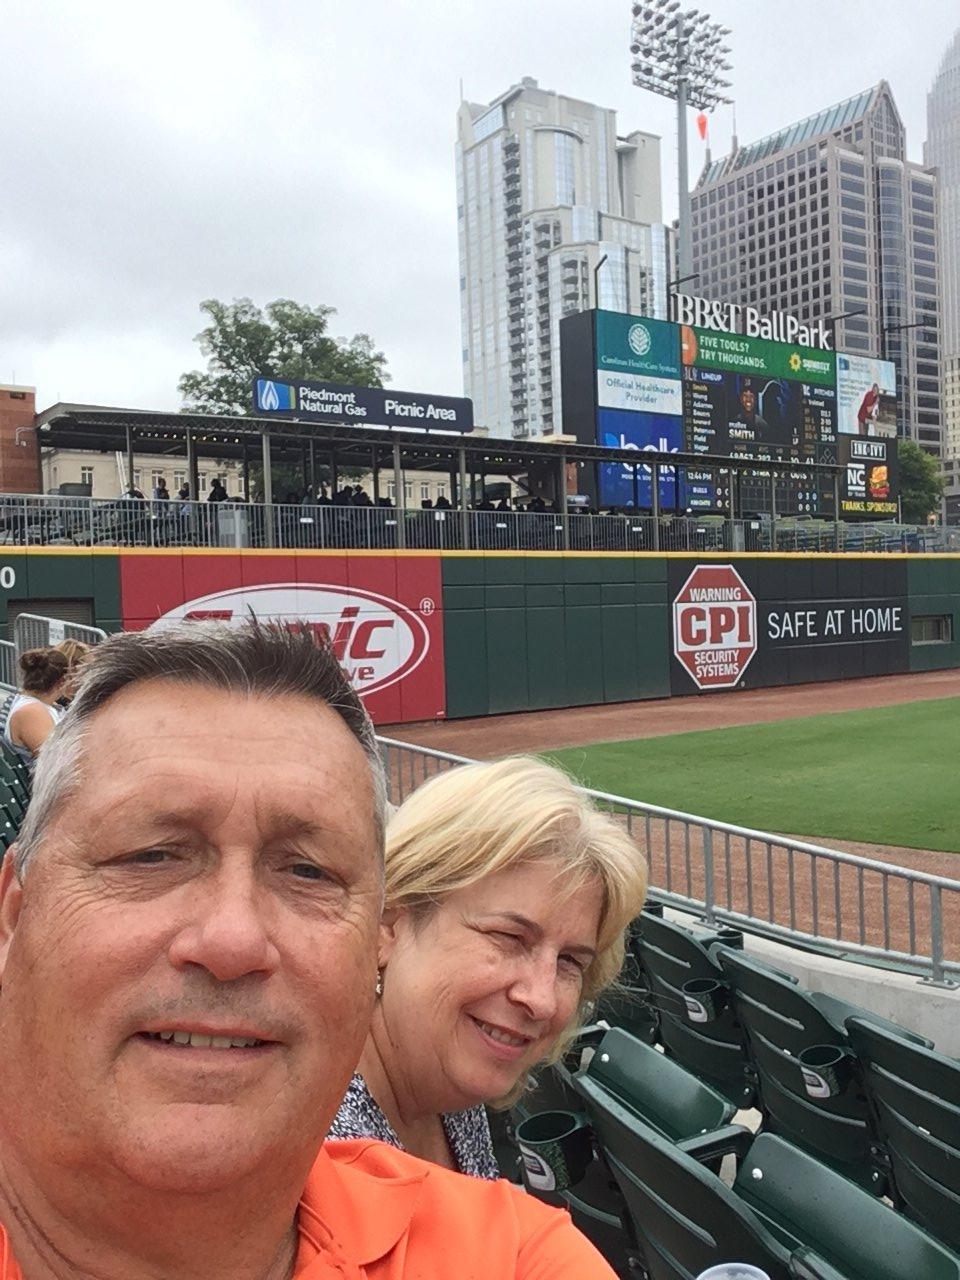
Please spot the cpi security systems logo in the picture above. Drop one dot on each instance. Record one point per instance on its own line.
(638, 337)
(378, 640)
(275, 396)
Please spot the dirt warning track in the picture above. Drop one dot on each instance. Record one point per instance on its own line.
(489, 736)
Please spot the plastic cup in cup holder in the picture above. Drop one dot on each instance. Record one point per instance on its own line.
(556, 1148)
(826, 1070)
(705, 999)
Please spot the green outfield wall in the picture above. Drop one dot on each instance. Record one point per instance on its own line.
(428, 635)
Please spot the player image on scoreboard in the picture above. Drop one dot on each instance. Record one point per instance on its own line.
(765, 412)
(866, 396)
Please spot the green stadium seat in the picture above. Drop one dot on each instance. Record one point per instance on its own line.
(781, 1020)
(786, 1213)
(628, 1004)
(671, 956)
(915, 1097)
(673, 1101)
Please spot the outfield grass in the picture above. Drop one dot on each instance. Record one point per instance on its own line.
(889, 775)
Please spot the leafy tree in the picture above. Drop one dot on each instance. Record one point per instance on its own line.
(284, 340)
(921, 484)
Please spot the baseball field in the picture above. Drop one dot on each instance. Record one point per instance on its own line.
(883, 775)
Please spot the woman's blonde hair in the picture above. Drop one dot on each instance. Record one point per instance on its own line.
(476, 819)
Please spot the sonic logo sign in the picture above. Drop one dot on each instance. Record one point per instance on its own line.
(378, 640)
(715, 626)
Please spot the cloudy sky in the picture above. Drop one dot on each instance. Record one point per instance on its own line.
(154, 155)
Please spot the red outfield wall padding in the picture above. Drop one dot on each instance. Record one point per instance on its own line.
(382, 612)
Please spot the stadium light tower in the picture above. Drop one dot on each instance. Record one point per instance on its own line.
(680, 54)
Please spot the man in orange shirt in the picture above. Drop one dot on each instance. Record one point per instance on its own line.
(188, 952)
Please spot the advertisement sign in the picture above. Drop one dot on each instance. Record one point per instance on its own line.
(636, 344)
(710, 349)
(734, 317)
(637, 393)
(715, 626)
(645, 432)
(866, 396)
(870, 481)
(361, 406)
(740, 624)
(382, 616)
(816, 622)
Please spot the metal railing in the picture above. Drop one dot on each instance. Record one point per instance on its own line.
(33, 631)
(787, 889)
(50, 520)
(8, 665)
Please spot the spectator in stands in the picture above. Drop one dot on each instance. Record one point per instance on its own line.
(188, 929)
(161, 493)
(507, 897)
(443, 502)
(30, 715)
(218, 492)
(360, 497)
(75, 652)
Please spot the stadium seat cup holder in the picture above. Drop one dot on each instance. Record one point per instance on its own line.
(556, 1149)
(827, 1070)
(732, 938)
(704, 999)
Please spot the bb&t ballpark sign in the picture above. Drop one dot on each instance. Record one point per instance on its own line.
(715, 626)
(732, 317)
(360, 406)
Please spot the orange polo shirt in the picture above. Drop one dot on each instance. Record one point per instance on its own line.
(371, 1212)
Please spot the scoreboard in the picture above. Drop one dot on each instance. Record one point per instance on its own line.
(752, 398)
(632, 382)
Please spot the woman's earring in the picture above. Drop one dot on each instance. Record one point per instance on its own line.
(379, 987)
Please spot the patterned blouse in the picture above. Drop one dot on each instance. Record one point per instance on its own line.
(468, 1132)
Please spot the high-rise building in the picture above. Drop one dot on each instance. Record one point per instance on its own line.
(552, 208)
(828, 216)
(942, 152)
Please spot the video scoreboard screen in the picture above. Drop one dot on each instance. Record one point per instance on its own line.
(750, 398)
(635, 383)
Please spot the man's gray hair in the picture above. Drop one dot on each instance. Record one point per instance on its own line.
(253, 658)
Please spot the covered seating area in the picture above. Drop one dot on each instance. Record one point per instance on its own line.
(555, 483)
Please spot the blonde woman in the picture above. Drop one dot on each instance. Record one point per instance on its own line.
(507, 897)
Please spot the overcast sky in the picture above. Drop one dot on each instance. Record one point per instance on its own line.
(154, 155)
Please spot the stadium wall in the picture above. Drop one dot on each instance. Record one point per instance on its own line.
(429, 635)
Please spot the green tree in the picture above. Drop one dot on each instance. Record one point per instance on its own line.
(284, 340)
(921, 484)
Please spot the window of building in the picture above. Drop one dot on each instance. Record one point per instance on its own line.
(157, 478)
(203, 481)
(179, 479)
(136, 476)
(86, 476)
(424, 491)
(934, 628)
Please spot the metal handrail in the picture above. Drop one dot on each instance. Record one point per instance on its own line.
(34, 630)
(8, 665)
(54, 520)
(737, 875)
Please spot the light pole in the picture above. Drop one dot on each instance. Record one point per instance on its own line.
(680, 54)
(596, 282)
(833, 321)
